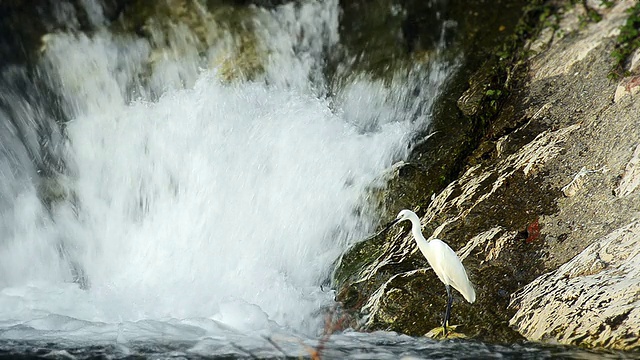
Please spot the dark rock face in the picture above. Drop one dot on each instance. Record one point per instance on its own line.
(382, 280)
(555, 178)
(488, 214)
(23, 23)
(18, 41)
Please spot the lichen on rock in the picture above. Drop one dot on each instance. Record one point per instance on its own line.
(592, 300)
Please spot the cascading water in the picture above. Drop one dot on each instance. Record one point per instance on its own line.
(183, 206)
(154, 204)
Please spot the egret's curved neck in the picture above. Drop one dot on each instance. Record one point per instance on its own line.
(416, 229)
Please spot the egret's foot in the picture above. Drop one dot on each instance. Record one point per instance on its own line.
(438, 333)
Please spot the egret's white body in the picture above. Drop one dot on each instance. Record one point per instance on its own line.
(443, 260)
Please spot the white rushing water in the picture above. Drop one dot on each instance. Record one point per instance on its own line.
(193, 207)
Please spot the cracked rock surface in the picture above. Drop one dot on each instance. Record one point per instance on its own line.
(545, 214)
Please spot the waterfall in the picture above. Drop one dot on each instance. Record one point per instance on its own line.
(141, 195)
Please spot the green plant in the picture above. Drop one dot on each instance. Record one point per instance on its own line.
(627, 42)
(607, 3)
(494, 96)
(591, 15)
(508, 66)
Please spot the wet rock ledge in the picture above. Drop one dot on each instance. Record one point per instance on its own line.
(545, 212)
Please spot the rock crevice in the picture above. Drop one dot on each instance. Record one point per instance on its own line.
(544, 213)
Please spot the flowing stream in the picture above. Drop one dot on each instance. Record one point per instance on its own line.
(149, 207)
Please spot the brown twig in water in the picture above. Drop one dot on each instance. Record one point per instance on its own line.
(275, 345)
(330, 326)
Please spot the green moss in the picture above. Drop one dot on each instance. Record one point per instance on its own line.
(626, 43)
(607, 3)
(591, 15)
(408, 184)
(413, 303)
(507, 67)
(357, 257)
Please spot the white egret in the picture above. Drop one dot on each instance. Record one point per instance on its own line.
(444, 262)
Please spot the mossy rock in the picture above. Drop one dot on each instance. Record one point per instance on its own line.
(397, 310)
(383, 280)
(493, 199)
(211, 23)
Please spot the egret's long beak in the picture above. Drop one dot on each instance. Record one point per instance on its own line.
(387, 227)
(390, 224)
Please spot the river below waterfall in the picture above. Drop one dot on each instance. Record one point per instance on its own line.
(152, 207)
(349, 345)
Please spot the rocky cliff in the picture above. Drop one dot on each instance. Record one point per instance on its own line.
(545, 211)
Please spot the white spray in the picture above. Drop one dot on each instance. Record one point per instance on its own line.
(215, 201)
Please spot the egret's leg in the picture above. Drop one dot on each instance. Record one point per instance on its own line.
(447, 313)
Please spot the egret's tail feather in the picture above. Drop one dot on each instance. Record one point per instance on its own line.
(469, 294)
